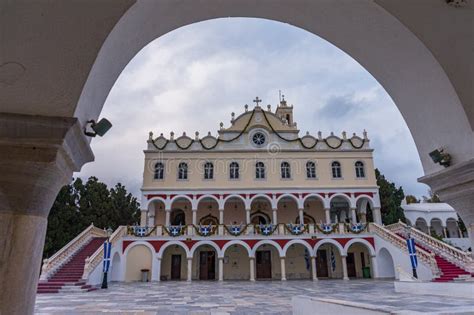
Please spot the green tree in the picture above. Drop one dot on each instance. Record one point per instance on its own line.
(391, 199)
(78, 205)
(411, 199)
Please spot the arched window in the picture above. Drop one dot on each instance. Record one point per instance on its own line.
(182, 171)
(336, 170)
(208, 170)
(259, 170)
(234, 170)
(359, 168)
(310, 169)
(285, 170)
(159, 170)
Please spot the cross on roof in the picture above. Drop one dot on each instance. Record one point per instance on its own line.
(257, 100)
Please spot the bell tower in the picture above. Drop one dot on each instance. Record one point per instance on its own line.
(284, 111)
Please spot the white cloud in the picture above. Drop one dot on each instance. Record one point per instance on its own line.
(193, 78)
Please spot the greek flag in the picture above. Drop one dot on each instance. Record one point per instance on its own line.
(106, 263)
(412, 252)
(333, 261)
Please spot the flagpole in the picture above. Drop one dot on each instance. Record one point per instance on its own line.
(106, 262)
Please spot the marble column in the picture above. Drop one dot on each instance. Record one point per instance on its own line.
(429, 230)
(221, 216)
(353, 216)
(194, 211)
(283, 268)
(252, 268)
(313, 268)
(38, 155)
(377, 216)
(221, 268)
(151, 218)
(328, 215)
(374, 267)
(190, 269)
(275, 216)
(167, 217)
(143, 217)
(156, 273)
(344, 268)
(301, 215)
(247, 215)
(444, 231)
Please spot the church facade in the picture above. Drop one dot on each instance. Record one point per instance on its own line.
(258, 202)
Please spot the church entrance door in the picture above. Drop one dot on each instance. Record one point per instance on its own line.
(264, 264)
(322, 264)
(351, 267)
(175, 267)
(207, 265)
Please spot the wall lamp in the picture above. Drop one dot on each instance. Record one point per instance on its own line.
(441, 157)
(99, 128)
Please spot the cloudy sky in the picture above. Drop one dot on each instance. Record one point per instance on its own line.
(192, 79)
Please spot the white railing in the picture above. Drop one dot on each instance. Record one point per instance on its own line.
(448, 252)
(93, 260)
(50, 265)
(400, 242)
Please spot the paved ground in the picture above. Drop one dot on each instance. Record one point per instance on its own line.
(261, 297)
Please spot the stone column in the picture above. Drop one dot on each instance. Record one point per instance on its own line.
(38, 155)
(374, 267)
(167, 217)
(313, 268)
(190, 269)
(429, 230)
(143, 217)
(353, 216)
(377, 215)
(283, 269)
(247, 215)
(460, 233)
(151, 218)
(221, 268)
(221, 216)
(194, 211)
(444, 232)
(301, 215)
(344, 268)
(252, 268)
(275, 216)
(156, 273)
(328, 215)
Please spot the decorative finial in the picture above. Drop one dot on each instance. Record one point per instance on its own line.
(365, 135)
(320, 135)
(353, 134)
(161, 134)
(171, 135)
(246, 108)
(208, 133)
(150, 135)
(332, 134)
(307, 133)
(269, 107)
(222, 125)
(344, 135)
(197, 135)
(257, 100)
(184, 134)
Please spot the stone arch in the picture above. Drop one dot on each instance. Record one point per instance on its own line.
(205, 242)
(421, 224)
(171, 243)
(362, 241)
(178, 197)
(385, 264)
(198, 200)
(336, 244)
(139, 255)
(268, 242)
(237, 242)
(291, 196)
(116, 264)
(236, 196)
(262, 196)
(297, 241)
(343, 196)
(316, 196)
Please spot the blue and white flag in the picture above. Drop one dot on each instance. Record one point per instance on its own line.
(412, 252)
(333, 261)
(107, 249)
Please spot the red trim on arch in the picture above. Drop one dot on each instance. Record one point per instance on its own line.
(296, 195)
(370, 240)
(190, 196)
(330, 194)
(251, 195)
(357, 194)
(243, 196)
(343, 241)
(348, 194)
(304, 194)
(199, 196)
(251, 243)
(221, 243)
(155, 195)
(189, 243)
(172, 196)
(281, 242)
(269, 195)
(278, 195)
(225, 196)
(157, 244)
(311, 242)
(125, 245)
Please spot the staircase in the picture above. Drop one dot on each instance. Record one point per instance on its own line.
(453, 264)
(68, 277)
